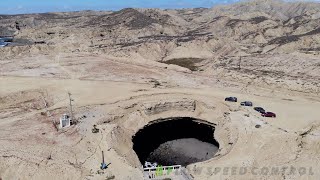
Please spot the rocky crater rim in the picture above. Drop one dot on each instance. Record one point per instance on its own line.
(134, 116)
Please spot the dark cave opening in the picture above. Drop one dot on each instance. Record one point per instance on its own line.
(176, 137)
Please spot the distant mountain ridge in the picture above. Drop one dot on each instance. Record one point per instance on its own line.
(217, 37)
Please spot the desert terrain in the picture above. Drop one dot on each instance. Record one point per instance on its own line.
(129, 68)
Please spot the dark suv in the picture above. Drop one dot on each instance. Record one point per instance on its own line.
(246, 103)
(269, 114)
(231, 99)
(259, 109)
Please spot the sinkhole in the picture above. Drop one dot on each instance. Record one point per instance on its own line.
(175, 141)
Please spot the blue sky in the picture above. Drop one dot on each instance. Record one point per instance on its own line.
(38, 6)
(35, 6)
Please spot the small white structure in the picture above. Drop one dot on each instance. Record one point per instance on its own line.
(65, 121)
(150, 165)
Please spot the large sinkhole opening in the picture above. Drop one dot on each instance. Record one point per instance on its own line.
(175, 141)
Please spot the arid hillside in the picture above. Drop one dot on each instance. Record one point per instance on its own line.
(270, 43)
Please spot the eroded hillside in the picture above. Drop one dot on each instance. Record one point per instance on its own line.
(270, 43)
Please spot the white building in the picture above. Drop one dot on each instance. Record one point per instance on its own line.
(65, 121)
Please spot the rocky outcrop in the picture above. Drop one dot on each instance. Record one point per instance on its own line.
(178, 105)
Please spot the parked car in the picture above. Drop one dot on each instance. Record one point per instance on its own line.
(259, 109)
(246, 103)
(231, 99)
(268, 114)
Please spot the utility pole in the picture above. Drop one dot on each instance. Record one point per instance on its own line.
(71, 111)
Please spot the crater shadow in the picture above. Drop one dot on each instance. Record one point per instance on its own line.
(171, 141)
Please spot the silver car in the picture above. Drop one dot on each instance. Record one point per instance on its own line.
(246, 103)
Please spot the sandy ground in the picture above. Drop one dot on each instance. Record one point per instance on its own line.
(117, 102)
